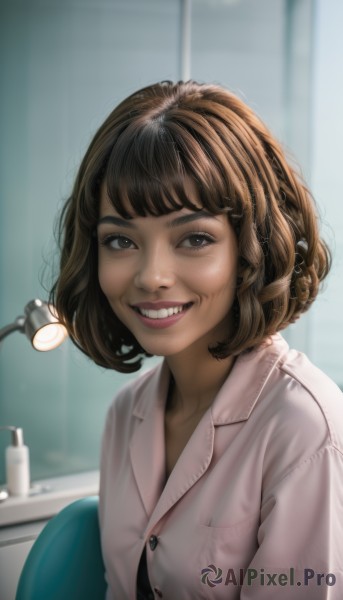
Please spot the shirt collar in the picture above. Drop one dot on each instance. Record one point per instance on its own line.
(239, 393)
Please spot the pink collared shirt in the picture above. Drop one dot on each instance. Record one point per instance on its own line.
(253, 509)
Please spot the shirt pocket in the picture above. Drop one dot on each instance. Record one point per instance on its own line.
(226, 553)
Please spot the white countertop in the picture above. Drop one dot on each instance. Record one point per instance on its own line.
(48, 497)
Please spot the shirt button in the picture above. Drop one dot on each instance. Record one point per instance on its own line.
(153, 541)
(158, 592)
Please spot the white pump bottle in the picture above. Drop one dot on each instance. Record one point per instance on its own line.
(17, 464)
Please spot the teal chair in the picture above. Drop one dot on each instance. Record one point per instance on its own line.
(65, 562)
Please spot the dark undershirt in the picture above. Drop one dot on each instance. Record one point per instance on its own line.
(144, 591)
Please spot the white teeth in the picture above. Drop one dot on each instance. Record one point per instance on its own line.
(162, 313)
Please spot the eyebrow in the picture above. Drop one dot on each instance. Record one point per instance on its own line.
(182, 220)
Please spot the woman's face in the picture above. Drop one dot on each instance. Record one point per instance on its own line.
(170, 279)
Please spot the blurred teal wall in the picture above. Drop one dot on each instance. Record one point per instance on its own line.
(65, 65)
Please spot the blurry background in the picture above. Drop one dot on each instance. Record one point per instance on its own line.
(64, 65)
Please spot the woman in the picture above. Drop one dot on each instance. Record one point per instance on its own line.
(189, 236)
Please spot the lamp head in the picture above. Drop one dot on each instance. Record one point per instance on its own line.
(40, 324)
(42, 327)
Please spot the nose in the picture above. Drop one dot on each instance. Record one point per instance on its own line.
(154, 271)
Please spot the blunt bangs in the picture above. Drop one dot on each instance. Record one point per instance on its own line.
(150, 164)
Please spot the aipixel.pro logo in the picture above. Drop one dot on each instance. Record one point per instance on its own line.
(213, 576)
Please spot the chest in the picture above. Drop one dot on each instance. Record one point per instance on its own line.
(199, 518)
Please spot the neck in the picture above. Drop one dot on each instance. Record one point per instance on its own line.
(196, 381)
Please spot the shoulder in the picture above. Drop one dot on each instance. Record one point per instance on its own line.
(282, 393)
(301, 411)
(310, 396)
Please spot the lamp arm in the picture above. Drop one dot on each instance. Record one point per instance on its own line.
(18, 325)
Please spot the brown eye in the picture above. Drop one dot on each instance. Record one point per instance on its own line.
(197, 240)
(118, 242)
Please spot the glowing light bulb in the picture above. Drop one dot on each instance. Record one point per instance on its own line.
(49, 337)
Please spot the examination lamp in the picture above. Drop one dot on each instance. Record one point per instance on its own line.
(40, 325)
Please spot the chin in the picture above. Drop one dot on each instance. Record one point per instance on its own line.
(161, 348)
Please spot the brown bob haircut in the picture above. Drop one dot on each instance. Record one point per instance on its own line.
(145, 150)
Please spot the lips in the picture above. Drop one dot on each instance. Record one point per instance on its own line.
(160, 310)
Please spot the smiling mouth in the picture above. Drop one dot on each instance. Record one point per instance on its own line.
(162, 313)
